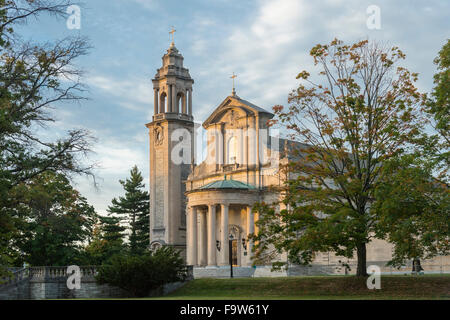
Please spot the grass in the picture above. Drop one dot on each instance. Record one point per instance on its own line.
(322, 287)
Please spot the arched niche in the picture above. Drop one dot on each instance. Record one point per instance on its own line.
(162, 102)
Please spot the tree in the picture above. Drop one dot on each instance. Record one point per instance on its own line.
(362, 111)
(133, 209)
(438, 107)
(57, 221)
(412, 210)
(108, 241)
(34, 78)
(413, 201)
(141, 274)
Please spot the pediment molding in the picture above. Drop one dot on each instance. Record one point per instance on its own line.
(234, 102)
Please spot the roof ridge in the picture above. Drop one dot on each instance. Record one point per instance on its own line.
(227, 184)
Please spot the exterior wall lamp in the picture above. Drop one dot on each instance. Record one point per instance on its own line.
(218, 244)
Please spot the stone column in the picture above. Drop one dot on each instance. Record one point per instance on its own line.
(192, 236)
(190, 102)
(174, 99)
(212, 235)
(224, 257)
(202, 239)
(156, 100)
(169, 99)
(250, 229)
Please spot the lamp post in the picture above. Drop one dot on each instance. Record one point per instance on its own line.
(230, 254)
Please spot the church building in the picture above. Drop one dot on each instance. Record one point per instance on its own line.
(205, 209)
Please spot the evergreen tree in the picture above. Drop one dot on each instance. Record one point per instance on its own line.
(134, 210)
(111, 229)
(107, 241)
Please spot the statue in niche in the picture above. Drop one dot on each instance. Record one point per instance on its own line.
(159, 136)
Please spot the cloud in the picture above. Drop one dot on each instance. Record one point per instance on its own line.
(133, 94)
(268, 52)
(115, 159)
(270, 46)
(265, 42)
(147, 4)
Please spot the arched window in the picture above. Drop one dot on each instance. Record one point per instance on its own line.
(181, 103)
(162, 102)
(232, 150)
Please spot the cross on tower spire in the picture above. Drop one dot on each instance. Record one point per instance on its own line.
(233, 77)
(172, 32)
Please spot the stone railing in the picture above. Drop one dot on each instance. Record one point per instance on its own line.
(47, 273)
(16, 276)
(51, 283)
(172, 115)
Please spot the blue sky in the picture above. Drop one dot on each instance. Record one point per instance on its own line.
(266, 42)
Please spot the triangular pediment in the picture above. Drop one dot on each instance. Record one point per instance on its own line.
(234, 102)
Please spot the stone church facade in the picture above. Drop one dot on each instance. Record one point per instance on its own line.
(205, 209)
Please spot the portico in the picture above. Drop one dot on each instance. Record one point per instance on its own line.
(219, 212)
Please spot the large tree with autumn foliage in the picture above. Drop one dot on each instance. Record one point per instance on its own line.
(360, 112)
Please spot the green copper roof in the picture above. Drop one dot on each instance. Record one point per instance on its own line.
(227, 184)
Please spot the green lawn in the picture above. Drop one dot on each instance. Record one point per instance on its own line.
(324, 287)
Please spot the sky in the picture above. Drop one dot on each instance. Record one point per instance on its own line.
(265, 42)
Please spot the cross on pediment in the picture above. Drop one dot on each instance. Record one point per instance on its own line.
(233, 77)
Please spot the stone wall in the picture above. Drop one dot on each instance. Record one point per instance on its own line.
(265, 271)
(51, 283)
(430, 267)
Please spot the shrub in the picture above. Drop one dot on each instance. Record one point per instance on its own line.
(141, 274)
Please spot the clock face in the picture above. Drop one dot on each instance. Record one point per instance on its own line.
(159, 136)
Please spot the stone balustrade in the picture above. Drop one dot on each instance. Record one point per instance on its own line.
(51, 283)
(17, 274)
(43, 273)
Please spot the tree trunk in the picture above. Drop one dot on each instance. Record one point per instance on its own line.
(361, 270)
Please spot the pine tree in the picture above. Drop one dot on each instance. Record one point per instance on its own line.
(111, 229)
(133, 209)
(112, 237)
(107, 240)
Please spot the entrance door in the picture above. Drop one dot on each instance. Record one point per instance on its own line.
(234, 253)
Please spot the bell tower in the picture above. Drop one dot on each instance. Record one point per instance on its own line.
(170, 165)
